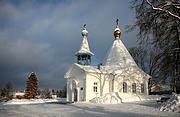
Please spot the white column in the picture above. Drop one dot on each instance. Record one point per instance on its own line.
(147, 91)
(78, 94)
(70, 90)
(72, 95)
(67, 93)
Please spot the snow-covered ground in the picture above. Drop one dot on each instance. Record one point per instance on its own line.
(33, 101)
(138, 109)
(26, 101)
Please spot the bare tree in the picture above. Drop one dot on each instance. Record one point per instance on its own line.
(140, 56)
(163, 8)
(158, 23)
(147, 59)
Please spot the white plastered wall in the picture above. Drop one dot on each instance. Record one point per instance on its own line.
(130, 79)
(95, 77)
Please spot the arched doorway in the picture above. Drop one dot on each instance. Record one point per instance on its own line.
(75, 95)
(75, 91)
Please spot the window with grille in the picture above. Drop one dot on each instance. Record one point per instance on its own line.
(95, 87)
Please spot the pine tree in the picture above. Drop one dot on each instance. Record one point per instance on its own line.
(31, 86)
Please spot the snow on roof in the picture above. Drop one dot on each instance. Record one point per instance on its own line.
(117, 29)
(114, 70)
(118, 60)
(118, 55)
(84, 49)
(86, 68)
(89, 68)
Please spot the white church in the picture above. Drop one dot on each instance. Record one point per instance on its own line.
(118, 74)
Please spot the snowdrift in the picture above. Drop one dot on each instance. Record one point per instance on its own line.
(173, 104)
(32, 101)
(132, 97)
(115, 98)
(109, 98)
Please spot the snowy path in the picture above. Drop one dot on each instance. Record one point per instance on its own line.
(85, 110)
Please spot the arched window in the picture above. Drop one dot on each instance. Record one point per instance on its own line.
(142, 88)
(124, 87)
(134, 87)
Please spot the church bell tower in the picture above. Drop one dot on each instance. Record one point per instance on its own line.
(84, 54)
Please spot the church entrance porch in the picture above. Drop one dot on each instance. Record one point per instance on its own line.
(75, 90)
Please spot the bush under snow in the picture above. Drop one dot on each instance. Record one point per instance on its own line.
(109, 98)
(173, 104)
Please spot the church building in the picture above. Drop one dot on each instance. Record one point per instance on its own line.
(117, 74)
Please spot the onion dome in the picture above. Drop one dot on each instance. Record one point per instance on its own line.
(117, 31)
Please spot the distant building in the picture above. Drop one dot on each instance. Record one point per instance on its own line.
(54, 96)
(118, 73)
(19, 95)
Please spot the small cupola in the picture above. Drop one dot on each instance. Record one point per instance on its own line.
(84, 54)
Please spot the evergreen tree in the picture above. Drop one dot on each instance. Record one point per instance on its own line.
(9, 90)
(31, 86)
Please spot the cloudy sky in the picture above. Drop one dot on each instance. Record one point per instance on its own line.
(43, 35)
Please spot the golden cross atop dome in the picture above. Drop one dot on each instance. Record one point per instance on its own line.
(117, 22)
(117, 31)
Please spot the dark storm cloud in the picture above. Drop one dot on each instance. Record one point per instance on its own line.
(43, 36)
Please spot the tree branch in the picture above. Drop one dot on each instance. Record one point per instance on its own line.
(160, 9)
